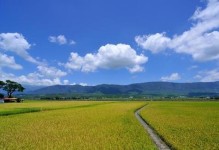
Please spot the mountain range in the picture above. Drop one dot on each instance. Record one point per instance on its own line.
(148, 88)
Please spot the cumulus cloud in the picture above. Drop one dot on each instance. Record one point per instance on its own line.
(16, 43)
(8, 61)
(208, 76)
(33, 79)
(200, 41)
(155, 43)
(65, 82)
(61, 40)
(51, 72)
(30, 79)
(108, 57)
(75, 62)
(172, 77)
(43, 76)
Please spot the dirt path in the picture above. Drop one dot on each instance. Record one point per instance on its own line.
(161, 145)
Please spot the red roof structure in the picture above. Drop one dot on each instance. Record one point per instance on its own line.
(10, 100)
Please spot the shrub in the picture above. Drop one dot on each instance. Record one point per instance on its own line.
(18, 100)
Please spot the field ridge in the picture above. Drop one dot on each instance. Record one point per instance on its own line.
(159, 142)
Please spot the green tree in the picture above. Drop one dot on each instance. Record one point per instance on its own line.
(10, 87)
(2, 84)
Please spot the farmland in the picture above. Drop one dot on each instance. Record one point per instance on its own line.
(72, 125)
(107, 125)
(185, 125)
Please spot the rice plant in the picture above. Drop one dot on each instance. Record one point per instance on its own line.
(108, 125)
(185, 125)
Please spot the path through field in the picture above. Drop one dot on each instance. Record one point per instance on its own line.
(161, 145)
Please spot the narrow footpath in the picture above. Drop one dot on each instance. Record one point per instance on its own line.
(161, 145)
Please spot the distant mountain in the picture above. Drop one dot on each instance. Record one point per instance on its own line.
(30, 88)
(149, 88)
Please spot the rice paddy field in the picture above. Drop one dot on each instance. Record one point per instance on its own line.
(72, 125)
(185, 125)
(92, 125)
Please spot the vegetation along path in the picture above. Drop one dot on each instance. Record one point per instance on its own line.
(161, 145)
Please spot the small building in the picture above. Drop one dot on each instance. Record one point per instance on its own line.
(10, 100)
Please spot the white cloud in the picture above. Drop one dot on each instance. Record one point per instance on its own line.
(30, 79)
(155, 43)
(65, 82)
(51, 72)
(33, 79)
(8, 61)
(52, 39)
(16, 43)
(43, 76)
(172, 77)
(72, 42)
(200, 41)
(6, 76)
(208, 76)
(136, 68)
(83, 84)
(193, 67)
(61, 39)
(108, 57)
(75, 62)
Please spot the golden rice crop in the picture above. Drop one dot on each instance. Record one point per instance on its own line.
(109, 125)
(36, 106)
(185, 125)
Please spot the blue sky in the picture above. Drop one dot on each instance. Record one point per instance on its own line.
(109, 41)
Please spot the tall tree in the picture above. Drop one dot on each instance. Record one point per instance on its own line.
(2, 84)
(10, 87)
